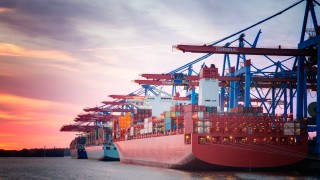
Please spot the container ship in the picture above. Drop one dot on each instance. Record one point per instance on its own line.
(77, 149)
(99, 145)
(198, 136)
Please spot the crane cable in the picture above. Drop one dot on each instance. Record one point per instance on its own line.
(243, 30)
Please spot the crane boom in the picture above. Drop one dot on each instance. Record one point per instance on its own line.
(249, 51)
(114, 103)
(262, 82)
(88, 109)
(126, 97)
(116, 110)
(157, 76)
(193, 80)
(162, 83)
(78, 128)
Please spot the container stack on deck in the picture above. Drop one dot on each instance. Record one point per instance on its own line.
(92, 137)
(149, 125)
(198, 114)
(125, 121)
(167, 120)
(177, 112)
(98, 136)
(233, 127)
(253, 111)
(246, 130)
(140, 114)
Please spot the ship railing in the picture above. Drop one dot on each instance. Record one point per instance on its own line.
(247, 140)
(247, 125)
(155, 134)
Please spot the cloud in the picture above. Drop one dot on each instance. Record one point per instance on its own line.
(30, 123)
(14, 50)
(112, 48)
(7, 135)
(21, 101)
(5, 10)
(45, 79)
(24, 110)
(42, 18)
(71, 25)
(36, 140)
(6, 145)
(9, 116)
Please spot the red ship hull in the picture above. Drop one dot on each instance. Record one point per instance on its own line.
(172, 152)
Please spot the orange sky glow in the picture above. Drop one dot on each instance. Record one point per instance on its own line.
(14, 50)
(30, 123)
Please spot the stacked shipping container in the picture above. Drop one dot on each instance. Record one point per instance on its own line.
(98, 136)
(173, 119)
(253, 111)
(198, 114)
(238, 126)
(140, 114)
(125, 121)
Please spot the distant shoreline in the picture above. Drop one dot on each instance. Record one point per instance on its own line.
(53, 152)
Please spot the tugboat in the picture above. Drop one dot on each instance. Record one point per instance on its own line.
(77, 148)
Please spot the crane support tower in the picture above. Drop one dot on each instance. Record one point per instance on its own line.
(305, 70)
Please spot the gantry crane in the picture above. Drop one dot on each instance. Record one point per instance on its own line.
(304, 74)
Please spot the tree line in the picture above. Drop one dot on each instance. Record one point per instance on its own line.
(52, 152)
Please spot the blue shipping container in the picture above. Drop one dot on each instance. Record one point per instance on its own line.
(174, 126)
(167, 120)
(168, 126)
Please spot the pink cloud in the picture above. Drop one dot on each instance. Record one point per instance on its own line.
(6, 10)
(7, 49)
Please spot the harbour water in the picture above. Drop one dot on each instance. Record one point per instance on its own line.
(67, 168)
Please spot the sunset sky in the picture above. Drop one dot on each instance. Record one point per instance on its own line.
(59, 56)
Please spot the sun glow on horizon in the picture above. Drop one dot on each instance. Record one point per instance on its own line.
(24, 121)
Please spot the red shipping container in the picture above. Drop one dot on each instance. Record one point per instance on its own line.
(188, 125)
(191, 107)
(202, 108)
